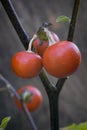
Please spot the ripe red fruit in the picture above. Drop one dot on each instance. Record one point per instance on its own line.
(26, 64)
(62, 59)
(41, 47)
(34, 101)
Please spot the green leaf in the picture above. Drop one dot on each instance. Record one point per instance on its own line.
(71, 127)
(4, 122)
(81, 126)
(63, 19)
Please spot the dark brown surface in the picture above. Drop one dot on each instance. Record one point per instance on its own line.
(73, 97)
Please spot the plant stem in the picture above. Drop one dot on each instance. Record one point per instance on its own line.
(13, 91)
(54, 112)
(47, 84)
(60, 84)
(73, 20)
(16, 22)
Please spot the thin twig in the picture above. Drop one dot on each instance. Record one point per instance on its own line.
(13, 91)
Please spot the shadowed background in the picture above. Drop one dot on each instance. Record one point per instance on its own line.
(73, 97)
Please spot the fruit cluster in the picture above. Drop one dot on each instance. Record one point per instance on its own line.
(59, 58)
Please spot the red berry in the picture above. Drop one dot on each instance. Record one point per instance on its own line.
(34, 100)
(26, 64)
(62, 59)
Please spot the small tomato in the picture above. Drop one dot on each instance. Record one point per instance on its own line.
(62, 59)
(41, 46)
(26, 64)
(34, 100)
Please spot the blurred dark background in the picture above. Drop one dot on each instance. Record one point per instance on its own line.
(73, 97)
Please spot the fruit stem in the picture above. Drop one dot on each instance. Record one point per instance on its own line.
(13, 91)
(31, 42)
(50, 37)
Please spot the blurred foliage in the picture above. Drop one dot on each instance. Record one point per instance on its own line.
(4, 122)
(81, 126)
